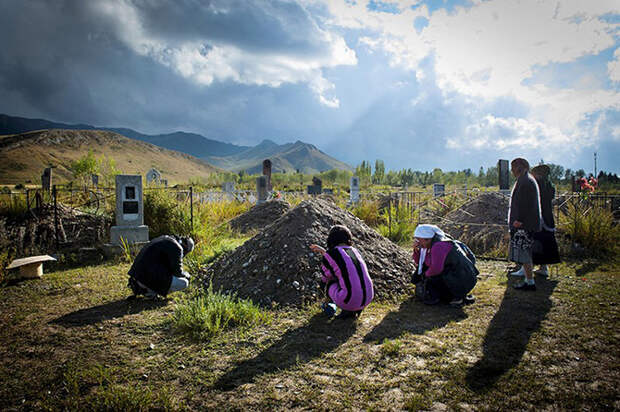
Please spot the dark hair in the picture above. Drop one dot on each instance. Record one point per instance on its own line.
(339, 234)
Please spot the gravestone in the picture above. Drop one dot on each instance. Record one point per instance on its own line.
(46, 179)
(328, 191)
(267, 172)
(95, 179)
(316, 188)
(261, 189)
(164, 182)
(439, 190)
(129, 211)
(503, 175)
(354, 186)
(228, 187)
(153, 176)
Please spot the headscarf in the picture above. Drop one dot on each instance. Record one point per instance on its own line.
(426, 231)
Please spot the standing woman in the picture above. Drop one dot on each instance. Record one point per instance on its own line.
(545, 249)
(524, 219)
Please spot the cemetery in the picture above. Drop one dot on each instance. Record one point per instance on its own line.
(249, 333)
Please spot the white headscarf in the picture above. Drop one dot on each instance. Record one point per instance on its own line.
(426, 232)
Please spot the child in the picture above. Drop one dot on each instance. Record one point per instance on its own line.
(345, 275)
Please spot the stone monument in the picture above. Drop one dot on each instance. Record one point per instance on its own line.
(261, 189)
(316, 188)
(228, 187)
(354, 185)
(267, 173)
(129, 211)
(46, 179)
(503, 174)
(153, 176)
(439, 190)
(95, 179)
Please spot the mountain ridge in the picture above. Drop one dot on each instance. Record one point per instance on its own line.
(287, 157)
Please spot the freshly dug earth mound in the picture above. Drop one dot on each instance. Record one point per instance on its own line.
(480, 223)
(277, 267)
(260, 216)
(33, 232)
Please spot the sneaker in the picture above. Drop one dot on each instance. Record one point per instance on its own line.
(525, 286)
(469, 299)
(150, 295)
(520, 272)
(542, 271)
(346, 314)
(457, 302)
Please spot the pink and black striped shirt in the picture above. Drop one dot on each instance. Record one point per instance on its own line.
(346, 275)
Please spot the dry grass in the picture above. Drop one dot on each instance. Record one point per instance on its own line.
(72, 341)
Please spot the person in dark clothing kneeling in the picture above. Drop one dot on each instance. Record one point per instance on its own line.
(158, 268)
(446, 268)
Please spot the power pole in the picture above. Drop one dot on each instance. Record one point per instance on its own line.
(595, 175)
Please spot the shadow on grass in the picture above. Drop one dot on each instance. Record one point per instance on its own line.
(414, 317)
(107, 311)
(296, 346)
(519, 316)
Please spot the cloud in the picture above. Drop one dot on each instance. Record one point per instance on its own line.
(252, 43)
(613, 67)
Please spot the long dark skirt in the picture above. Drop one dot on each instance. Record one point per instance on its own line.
(545, 248)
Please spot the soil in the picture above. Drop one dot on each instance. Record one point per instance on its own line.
(260, 216)
(480, 223)
(33, 232)
(276, 267)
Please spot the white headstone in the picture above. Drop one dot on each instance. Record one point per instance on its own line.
(129, 211)
(261, 189)
(354, 186)
(153, 176)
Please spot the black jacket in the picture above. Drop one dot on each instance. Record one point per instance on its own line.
(547, 193)
(525, 204)
(157, 262)
(460, 274)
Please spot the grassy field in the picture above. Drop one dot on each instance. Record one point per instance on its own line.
(72, 341)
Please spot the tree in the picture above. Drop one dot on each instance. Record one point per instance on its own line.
(85, 166)
(379, 176)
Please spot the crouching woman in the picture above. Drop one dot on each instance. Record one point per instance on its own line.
(345, 279)
(446, 268)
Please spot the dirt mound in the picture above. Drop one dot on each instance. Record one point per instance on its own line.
(260, 216)
(480, 223)
(33, 232)
(276, 265)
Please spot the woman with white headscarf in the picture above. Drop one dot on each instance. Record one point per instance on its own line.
(446, 268)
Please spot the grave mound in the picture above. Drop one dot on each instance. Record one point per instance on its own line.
(33, 232)
(260, 216)
(276, 267)
(480, 223)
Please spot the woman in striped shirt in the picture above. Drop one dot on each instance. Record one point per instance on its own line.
(345, 275)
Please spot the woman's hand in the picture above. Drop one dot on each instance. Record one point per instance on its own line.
(517, 224)
(317, 249)
(416, 245)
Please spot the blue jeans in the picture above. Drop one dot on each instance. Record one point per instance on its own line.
(176, 285)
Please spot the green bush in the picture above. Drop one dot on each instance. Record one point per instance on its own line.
(593, 228)
(368, 211)
(399, 224)
(209, 313)
(164, 215)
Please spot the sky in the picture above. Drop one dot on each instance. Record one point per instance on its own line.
(452, 84)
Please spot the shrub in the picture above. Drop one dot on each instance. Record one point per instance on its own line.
(368, 211)
(164, 215)
(593, 228)
(391, 347)
(208, 314)
(399, 224)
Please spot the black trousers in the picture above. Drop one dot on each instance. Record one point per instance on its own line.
(437, 289)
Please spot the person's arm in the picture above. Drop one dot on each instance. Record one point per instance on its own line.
(439, 252)
(174, 253)
(328, 273)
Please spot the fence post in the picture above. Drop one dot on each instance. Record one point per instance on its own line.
(191, 209)
(54, 194)
(28, 199)
(390, 216)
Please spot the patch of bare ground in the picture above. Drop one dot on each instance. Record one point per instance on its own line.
(72, 341)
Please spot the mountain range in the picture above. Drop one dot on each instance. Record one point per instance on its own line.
(287, 158)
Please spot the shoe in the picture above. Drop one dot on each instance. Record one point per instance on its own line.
(431, 301)
(542, 271)
(525, 286)
(150, 295)
(469, 299)
(346, 314)
(457, 302)
(520, 272)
